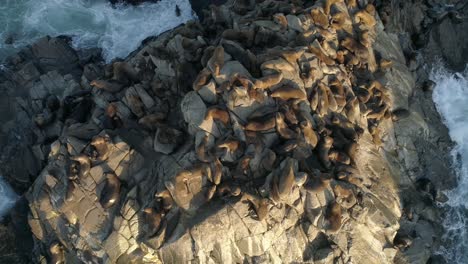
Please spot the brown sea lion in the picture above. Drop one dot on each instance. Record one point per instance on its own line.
(323, 150)
(100, 145)
(218, 114)
(202, 79)
(124, 72)
(399, 114)
(333, 216)
(328, 4)
(225, 189)
(261, 124)
(363, 17)
(152, 121)
(216, 62)
(281, 20)
(286, 179)
(57, 254)
(152, 222)
(259, 205)
(310, 136)
(166, 199)
(110, 194)
(269, 80)
(282, 128)
(204, 153)
(84, 165)
(109, 86)
(210, 192)
(287, 92)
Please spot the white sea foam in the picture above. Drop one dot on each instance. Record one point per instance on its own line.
(451, 99)
(7, 197)
(91, 23)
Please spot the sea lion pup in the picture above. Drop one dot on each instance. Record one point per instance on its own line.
(110, 194)
(108, 86)
(363, 17)
(323, 151)
(165, 198)
(124, 72)
(269, 80)
(399, 114)
(218, 114)
(328, 4)
(261, 124)
(152, 221)
(216, 62)
(333, 216)
(363, 94)
(57, 254)
(402, 241)
(202, 79)
(238, 79)
(259, 205)
(282, 128)
(309, 134)
(268, 160)
(287, 92)
(84, 165)
(100, 145)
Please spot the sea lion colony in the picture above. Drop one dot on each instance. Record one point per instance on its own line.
(284, 95)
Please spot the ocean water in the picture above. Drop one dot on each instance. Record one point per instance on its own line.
(7, 197)
(91, 23)
(451, 99)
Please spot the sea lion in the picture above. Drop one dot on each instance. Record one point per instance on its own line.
(378, 112)
(202, 79)
(278, 65)
(100, 144)
(216, 62)
(281, 20)
(177, 11)
(323, 99)
(282, 128)
(110, 194)
(124, 72)
(333, 216)
(363, 17)
(260, 205)
(261, 124)
(57, 254)
(204, 153)
(109, 86)
(152, 121)
(218, 114)
(84, 165)
(166, 199)
(399, 114)
(210, 192)
(320, 19)
(316, 49)
(152, 222)
(309, 134)
(323, 151)
(402, 241)
(344, 195)
(217, 171)
(316, 182)
(385, 64)
(269, 80)
(301, 178)
(268, 160)
(287, 92)
(328, 4)
(286, 179)
(225, 189)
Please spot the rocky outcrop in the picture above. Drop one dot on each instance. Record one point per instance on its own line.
(267, 133)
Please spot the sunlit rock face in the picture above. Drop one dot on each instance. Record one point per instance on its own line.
(264, 133)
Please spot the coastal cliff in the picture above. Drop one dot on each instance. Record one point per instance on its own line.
(128, 155)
